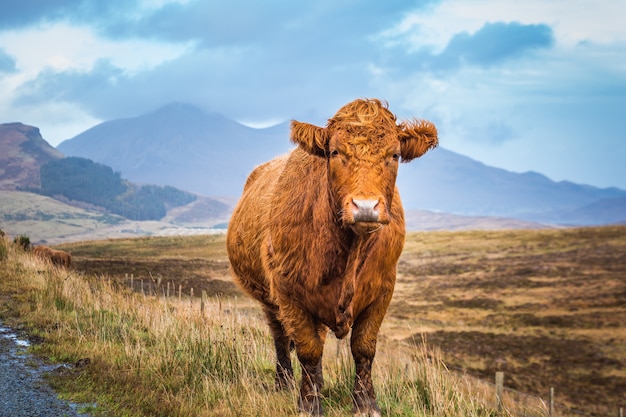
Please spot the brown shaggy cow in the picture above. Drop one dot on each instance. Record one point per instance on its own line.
(57, 257)
(317, 235)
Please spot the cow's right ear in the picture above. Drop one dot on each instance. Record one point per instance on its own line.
(309, 137)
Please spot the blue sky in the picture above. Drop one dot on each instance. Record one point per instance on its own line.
(518, 84)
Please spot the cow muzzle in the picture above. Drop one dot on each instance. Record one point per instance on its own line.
(365, 210)
(364, 214)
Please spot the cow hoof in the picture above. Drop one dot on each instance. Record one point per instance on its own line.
(370, 413)
(366, 408)
(311, 408)
(282, 384)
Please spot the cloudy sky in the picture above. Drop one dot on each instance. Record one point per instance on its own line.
(518, 84)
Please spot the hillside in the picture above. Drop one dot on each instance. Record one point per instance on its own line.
(22, 153)
(180, 145)
(44, 219)
(87, 198)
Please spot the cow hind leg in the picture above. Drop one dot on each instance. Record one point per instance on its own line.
(284, 371)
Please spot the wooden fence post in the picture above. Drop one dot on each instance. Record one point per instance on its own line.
(551, 412)
(202, 303)
(499, 389)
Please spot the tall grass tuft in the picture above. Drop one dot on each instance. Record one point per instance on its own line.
(158, 356)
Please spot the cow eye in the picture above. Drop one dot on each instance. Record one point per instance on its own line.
(334, 153)
(396, 156)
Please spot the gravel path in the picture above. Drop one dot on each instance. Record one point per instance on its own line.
(23, 391)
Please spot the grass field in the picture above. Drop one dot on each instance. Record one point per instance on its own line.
(547, 307)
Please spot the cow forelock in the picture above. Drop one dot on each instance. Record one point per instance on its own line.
(371, 114)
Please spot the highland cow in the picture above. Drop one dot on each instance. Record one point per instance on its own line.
(57, 257)
(317, 235)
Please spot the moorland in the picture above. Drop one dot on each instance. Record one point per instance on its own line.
(546, 307)
(155, 326)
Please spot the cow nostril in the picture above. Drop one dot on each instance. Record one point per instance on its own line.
(365, 210)
(365, 204)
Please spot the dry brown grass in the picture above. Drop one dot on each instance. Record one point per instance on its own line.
(547, 307)
(159, 356)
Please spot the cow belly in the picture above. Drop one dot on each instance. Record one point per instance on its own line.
(247, 228)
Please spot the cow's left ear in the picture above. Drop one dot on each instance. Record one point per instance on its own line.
(416, 138)
(311, 138)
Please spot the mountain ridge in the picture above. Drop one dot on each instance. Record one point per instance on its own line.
(206, 153)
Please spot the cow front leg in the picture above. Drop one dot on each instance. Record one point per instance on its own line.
(309, 339)
(310, 350)
(284, 371)
(364, 395)
(363, 345)
(310, 401)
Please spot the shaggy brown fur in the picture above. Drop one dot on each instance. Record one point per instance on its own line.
(57, 257)
(316, 237)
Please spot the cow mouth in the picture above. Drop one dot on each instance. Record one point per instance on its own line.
(361, 228)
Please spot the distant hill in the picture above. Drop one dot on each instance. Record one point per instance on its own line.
(608, 210)
(29, 163)
(43, 218)
(22, 153)
(424, 220)
(46, 220)
(182, 146)
(448, 182)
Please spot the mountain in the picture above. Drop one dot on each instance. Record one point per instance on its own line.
(182, 146)
(22, 153)
(446, 181)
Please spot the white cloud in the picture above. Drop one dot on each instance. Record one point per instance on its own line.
(573, 21)
(62, 46)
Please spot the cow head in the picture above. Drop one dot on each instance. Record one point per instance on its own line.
(363, 144)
